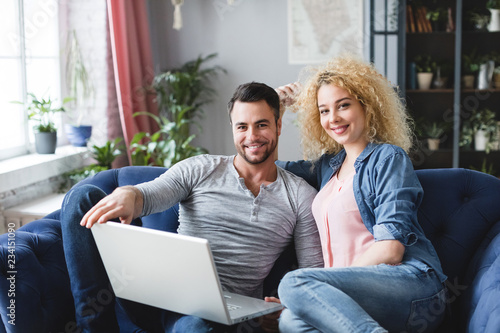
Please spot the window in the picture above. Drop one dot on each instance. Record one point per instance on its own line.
(29, 62)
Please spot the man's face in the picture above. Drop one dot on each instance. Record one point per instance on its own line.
(255, 131)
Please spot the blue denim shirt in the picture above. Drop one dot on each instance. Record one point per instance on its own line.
(388, 194)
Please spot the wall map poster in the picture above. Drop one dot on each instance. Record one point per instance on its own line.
(321, 29)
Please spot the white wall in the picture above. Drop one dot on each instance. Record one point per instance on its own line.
(251, 41)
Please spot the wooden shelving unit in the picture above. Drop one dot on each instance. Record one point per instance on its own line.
(451, 104)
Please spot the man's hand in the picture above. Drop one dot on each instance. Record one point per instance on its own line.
(270, 322)
(124, 203)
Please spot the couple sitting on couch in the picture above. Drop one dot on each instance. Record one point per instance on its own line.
(361, 226)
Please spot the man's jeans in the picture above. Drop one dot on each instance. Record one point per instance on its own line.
(362, 299)
(95, 302)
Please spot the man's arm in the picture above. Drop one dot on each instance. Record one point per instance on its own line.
(124, 203)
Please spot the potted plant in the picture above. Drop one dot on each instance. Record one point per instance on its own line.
(103, 155)
(485, 128)
(42, 111)
(433, 132)
(82, 90)
(438, 18)
(167, 146)
(494, 7)
(478, 20)
(425, 68)
(470, 67)
(180, 94)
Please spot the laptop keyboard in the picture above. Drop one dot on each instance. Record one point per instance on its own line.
(232, 307)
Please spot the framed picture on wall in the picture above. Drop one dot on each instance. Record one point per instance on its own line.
(321, 29)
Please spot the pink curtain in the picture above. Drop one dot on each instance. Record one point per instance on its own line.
(133, 65)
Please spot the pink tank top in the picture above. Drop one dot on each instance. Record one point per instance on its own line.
(342, 232)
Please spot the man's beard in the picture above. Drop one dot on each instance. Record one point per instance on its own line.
(258, 158)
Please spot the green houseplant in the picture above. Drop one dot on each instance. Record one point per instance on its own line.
(483, 127)
(181, 94)
(438, 18)
(81, 89)
(103, 155)
(42, 111)
(470, 68)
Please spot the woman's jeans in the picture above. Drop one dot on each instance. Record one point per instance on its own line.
(378, 298)
(95, 303)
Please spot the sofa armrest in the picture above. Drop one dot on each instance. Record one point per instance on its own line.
(481, 309)
(39, 282)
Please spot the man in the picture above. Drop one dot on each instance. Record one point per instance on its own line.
(247, 208)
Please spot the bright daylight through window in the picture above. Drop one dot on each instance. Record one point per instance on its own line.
(29, 63)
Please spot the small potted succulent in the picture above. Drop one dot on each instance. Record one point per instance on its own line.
(433, 132)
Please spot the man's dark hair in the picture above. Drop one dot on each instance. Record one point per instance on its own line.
(254, 92)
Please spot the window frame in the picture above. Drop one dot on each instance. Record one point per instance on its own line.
(22, 59)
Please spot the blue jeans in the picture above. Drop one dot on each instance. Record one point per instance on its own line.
(362, 299)
(95, 303)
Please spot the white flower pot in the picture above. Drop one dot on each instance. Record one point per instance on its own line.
(424, 80)
(495, 20)
(480, 140)
(433, 144)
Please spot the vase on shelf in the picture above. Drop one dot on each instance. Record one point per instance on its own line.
(439, 81)
(494, 20)
(485, 75)
(480, 140)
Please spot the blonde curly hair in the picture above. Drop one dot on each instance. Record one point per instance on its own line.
(386, 118)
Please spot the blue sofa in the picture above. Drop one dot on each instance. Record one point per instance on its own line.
(460, 214)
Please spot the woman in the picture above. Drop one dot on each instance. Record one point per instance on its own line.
(381, 272)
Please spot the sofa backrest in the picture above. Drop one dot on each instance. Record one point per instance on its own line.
(132, 175)
(459, 207)
(460, 214)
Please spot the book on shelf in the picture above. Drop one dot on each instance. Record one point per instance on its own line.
(416, 19)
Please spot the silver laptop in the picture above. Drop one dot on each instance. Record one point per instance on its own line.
(172, 272)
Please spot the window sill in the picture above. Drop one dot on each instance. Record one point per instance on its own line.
(28, 169)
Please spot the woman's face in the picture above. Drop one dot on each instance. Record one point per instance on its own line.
(342, 116)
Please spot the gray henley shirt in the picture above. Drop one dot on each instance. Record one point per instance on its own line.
(246, 233)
